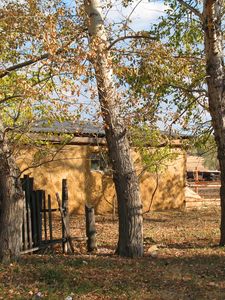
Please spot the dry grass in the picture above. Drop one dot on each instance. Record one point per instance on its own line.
(188, 264)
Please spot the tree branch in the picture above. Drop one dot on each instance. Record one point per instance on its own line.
(26, 63)
(137, 36)
(209, 2)
(191, 8)
(154, 192)
(29, 62)
(187, 89)
(10, 98)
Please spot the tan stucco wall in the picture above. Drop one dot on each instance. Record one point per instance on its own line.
(96, 187)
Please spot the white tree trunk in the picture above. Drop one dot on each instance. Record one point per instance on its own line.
(127, 189)
(212, 18)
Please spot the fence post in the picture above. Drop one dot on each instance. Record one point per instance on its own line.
(66, 222)
(39, 197)
(50, 218)
(45, 216)
(27, 185)
(90, 228)
(25, 236)
(28, 200)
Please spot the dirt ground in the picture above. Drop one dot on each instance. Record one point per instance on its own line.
(181, 261)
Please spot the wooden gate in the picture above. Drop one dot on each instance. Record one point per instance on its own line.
(37, 231)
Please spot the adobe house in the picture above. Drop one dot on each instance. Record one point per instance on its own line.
(83, 162)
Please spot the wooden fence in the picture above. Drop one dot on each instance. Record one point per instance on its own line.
(38, 216)
(206, 189)
(209, 191)
(37, 231)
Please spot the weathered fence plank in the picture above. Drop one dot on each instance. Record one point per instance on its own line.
(66, 222)
(68, 238)
(50, 218)
(34, 219)
(29, 189)
(25, 236)
(39, 197)
(27, 184)
(44, 211)
(90, 228)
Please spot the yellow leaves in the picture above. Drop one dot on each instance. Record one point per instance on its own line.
(80, 70)
(50, 35)
(32, 5)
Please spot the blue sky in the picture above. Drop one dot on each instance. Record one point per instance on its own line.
(144, 12)
(141, 13)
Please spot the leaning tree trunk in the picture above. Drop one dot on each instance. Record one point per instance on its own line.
(11, 204)
(212, 18)
(130, 242)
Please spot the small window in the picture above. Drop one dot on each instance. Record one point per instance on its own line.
(99, 162)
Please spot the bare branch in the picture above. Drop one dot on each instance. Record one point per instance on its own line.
(191, 8)
(154, 192)
(128, 18)
(137, 36)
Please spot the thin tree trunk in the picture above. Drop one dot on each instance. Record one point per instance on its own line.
(212, 18)
(11, 203)
(130, 242)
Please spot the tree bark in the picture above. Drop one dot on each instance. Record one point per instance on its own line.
(11, 203)
(212, 19)
(90, 228)
(130, 243)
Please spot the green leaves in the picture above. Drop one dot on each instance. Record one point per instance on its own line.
(154, 147)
